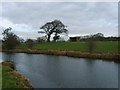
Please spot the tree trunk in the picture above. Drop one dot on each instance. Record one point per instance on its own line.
(55, 37)
(48, 39)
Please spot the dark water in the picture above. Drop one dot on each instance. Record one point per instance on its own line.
(45, 71)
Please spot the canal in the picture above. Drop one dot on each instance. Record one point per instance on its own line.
(47, 71)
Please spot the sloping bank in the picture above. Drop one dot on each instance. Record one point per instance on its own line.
(112, 57)
(13, 79)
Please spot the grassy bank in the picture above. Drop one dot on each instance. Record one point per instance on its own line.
(112, 57)
(103, 50)
(13, 79)
(100, 47)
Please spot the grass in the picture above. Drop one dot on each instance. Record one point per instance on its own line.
(100, 47)
(107, 47)
(0, 77)
(8, 80)
(13, 79)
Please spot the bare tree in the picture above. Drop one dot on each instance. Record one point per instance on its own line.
(56, 27)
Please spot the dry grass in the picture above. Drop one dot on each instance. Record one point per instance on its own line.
(113, 57)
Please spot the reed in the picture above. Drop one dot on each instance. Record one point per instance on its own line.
(112, 57)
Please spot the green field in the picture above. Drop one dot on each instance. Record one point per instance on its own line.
(100, 47)
(0, 77)
(13, 79)
(8, 80)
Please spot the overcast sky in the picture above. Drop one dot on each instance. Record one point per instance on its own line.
(80, 18)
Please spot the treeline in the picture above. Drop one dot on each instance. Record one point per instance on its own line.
(98, 37)
(11, 40)
(54, 28)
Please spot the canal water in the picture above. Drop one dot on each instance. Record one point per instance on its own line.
(47, 71)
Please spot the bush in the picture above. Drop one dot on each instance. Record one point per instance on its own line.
(10, 40)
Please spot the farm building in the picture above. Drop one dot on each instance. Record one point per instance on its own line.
(74, 39)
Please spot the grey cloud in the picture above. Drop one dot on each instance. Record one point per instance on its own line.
(81, 18)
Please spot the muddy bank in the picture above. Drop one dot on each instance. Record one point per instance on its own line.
(21, 80)
(112, 57)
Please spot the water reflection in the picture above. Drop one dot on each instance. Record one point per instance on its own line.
(8, 57)
(45, 71)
